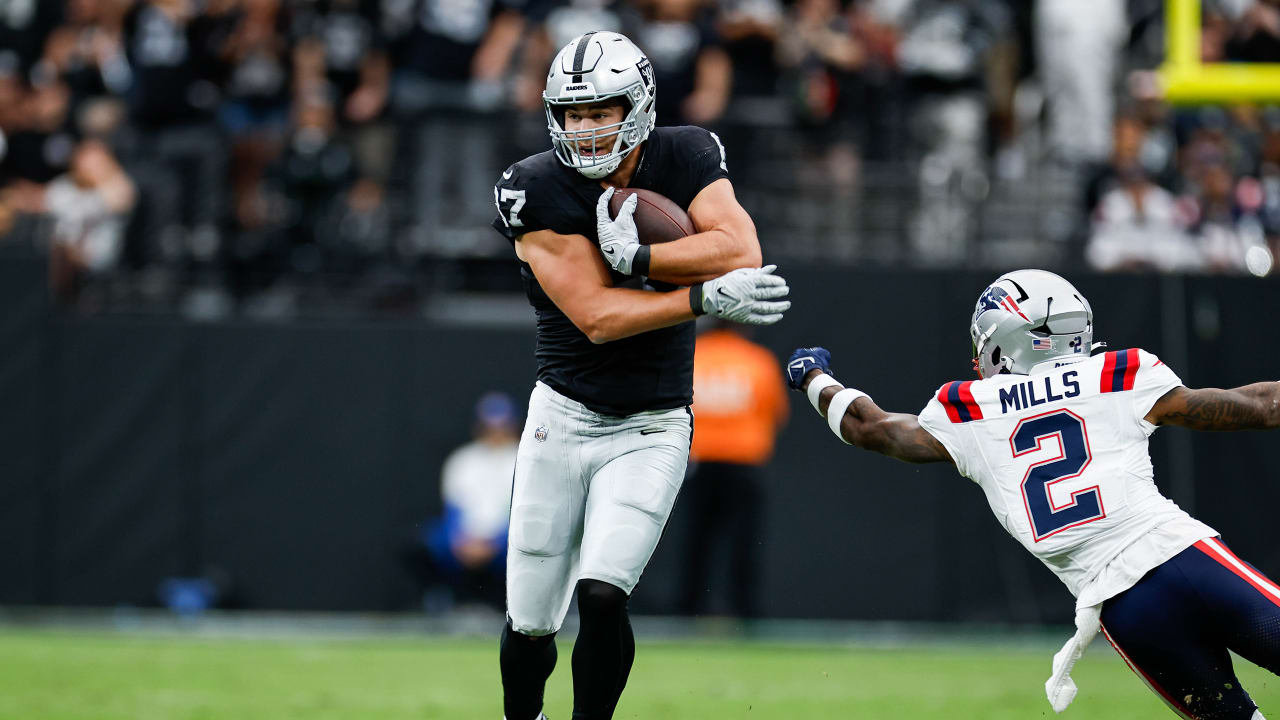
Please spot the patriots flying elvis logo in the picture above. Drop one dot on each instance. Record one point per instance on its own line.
(996, 298)
(990, 299)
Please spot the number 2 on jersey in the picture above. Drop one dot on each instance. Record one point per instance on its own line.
(1085, 505)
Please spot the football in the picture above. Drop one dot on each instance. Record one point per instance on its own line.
(658, 219)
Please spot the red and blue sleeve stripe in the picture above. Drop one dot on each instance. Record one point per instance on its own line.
(957, 398)
(1119, 370)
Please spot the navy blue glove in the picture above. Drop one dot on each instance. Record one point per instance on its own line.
(803, 360)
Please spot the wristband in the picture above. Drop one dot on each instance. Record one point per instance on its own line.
(640, 263)
(695, 300)
(836, 410)
(816, 386)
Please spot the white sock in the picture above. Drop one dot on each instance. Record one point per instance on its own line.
(1257, 715)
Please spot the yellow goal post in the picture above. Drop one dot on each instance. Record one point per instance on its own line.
(1186, 80)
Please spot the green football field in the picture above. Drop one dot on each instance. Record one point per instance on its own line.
(107, 676)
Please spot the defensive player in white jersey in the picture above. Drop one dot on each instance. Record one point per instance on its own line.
(1057, 440)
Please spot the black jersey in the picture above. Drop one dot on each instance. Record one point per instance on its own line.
(650, 371)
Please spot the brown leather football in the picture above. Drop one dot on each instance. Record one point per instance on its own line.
(658, 219)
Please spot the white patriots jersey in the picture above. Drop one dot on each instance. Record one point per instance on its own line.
(1062, 457)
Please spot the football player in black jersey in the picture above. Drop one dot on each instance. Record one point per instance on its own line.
(605, 445)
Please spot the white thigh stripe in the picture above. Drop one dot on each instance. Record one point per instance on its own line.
(1265, 585)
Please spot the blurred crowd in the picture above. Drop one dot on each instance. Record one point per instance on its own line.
(244, 153)
(1195, 191)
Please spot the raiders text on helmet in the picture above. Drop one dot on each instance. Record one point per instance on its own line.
(1028, 320)
(597, 67)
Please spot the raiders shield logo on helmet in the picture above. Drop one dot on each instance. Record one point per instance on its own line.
(646, 71)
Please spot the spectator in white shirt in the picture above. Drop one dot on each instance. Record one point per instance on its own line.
(1138, 226)
(466, 548)
(89, 207)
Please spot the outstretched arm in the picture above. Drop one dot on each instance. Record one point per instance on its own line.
(1252, 407)
(897, 435)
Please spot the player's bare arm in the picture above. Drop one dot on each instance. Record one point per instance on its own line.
(570, 270)
(572, 273)
(866, 425)
(726, 240)
(862, 422)
(1251, 407)
(725, 237)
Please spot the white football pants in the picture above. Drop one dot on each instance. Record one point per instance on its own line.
(591, 496)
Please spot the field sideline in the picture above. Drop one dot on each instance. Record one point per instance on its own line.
(100, 675)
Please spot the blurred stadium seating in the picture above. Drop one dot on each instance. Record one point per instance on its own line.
(277, 157)
(236, 236)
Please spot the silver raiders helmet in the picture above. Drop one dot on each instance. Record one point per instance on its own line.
(596, 67)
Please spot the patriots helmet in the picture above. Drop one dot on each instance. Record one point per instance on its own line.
(592, 68)
(1029, 320)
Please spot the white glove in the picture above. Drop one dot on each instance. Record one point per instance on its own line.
(618, 238)
(747, 295)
